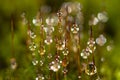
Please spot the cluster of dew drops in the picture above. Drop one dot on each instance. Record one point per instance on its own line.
(73, 8)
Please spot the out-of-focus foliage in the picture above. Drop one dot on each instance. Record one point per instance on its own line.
(109, 69)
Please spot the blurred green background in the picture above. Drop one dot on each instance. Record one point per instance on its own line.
(110, 68)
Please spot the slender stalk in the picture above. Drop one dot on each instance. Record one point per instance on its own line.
(57, 78)
(12, 35)
(91, 32)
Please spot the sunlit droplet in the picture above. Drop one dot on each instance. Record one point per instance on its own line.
(49, 29)
(13, 63)
(95, 21)
(102, 59)
(101, 40)
(35, 62)
(37, 22)
(109, 47)
(85, 53)
(102, 16)
(79, 77)
(91, 45)
(40, 77)
(60, 45)
(32, 35)
(32, 46)
(49, 55)
(48, 40)
(64, 71)
(50, 21)
(74, 28)
(41, 63)
(41, 51)
(90, 69)
(65, 51)
(55, 66)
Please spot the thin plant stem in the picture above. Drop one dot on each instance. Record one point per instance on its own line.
(12, 35)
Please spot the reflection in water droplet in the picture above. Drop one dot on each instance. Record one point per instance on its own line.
(90, 69)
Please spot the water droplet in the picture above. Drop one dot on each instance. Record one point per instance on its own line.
(60, 45)
(109, 47)
(37, 21)
(101, 40)
(64, 71)
(49, 55)
(35, 62)
(32, 46)
(72, 7)
(95, 20)
(41, 51)
(49, 29)
(41, 63)
(69, 9)
(85, 53)
(32, 35)
(54, 66)
(33, 54)
(90, 69)
(48, 40)
(79, 77)
(59, 14)
(36, 78)
(50, 21)
(102, 16)
(65, 51)
(102, 59)
(13, 63)
(91, 42)
(91, 45)
(40, 77)
(74, 28)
